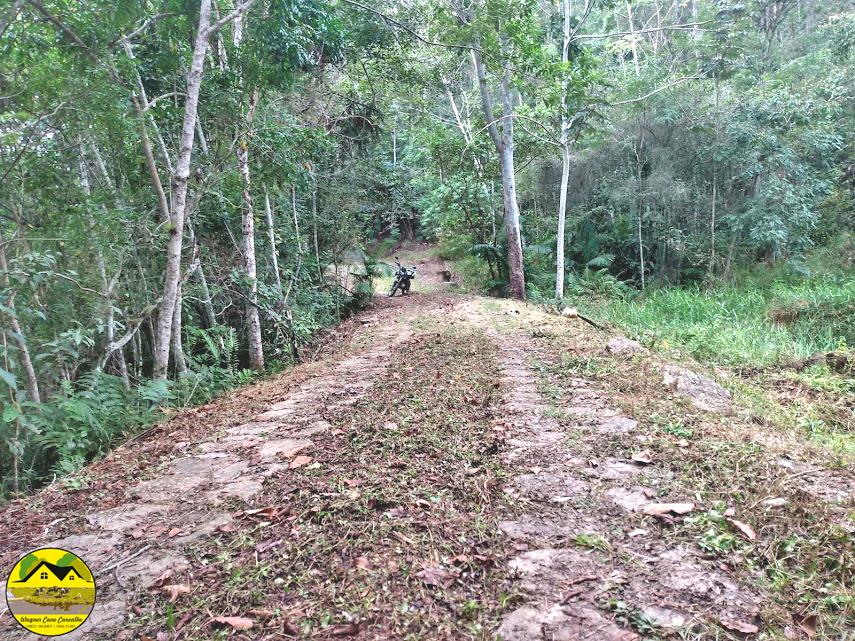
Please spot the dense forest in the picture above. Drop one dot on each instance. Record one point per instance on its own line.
(183, 181)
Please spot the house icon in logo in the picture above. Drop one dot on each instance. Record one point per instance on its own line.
(46, 575)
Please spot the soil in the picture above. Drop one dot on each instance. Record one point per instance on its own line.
(454, 467)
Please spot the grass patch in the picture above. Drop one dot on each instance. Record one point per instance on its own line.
(756, 324)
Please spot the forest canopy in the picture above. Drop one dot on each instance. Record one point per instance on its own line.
(184, 182)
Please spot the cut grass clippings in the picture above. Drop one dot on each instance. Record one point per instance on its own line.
(388, 533)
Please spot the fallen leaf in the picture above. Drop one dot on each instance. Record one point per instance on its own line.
(739, 626)
(637, 532)
(435, 575)
(161, 580)
(175, 590)
(290, 629)
(174, 532)
(743, 527)
(314, 466)
(682, 443)
(345, 630)
(808, 624)
(361, 562)
(226, 528)
(262, 613)
(299, 461)
(138, 533)
(645, 457)
(403, 539)
(351, 482)
(265, 512)
(659, 509)
(238, 623)
(776, 502)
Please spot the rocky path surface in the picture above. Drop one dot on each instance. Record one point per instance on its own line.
(610, 529)
(192, 494)
(566, 498)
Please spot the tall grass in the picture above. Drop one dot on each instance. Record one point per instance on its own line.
(757, 323)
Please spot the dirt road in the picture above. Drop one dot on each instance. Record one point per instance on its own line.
(451, 468)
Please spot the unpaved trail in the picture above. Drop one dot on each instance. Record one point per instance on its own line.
(455, 467)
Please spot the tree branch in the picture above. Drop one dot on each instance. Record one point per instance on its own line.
(133, 34)
(656, 91)
(415, 34)
(677, 27)
(219, 24)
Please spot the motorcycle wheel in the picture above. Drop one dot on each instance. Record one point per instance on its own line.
(394, 288)
(405, 288)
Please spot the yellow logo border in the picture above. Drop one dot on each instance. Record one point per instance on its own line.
(58, 613)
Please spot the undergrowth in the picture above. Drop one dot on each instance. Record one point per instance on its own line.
(752, 324)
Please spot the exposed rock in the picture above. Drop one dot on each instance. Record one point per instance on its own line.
(612, 470)
(548, 571)
(548, 487)
(617, 425)
(125, 517)
(621, 346)
(665, 617)
(531, 526)
(631, 500)
(703, 391)
(560, 623)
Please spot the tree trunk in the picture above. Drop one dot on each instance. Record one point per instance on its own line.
(207, 304)
(17, 332)
(172, 272)
(565, 164)
(177, 347)
(641, 250)
(106, 289)
(253, 321)
(315, 224)
(296, 223)
(271, 236)
(504, 143)
(632, 41)
(711, 269)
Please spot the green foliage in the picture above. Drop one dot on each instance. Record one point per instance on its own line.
(756, 323)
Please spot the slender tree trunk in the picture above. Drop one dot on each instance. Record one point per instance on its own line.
(296, 222)
(315, 224)
(711, 269)
(565, 163)
(395, 144)
(172, 272)
(177, 346)
(18, 333)
(504, 143)
(8, 18)
(207, 304)
(641, 250)
(562, 221)
(253, 320)
(271, 236)
(106, 289)
(632, 40)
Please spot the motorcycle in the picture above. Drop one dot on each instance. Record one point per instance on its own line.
(403, 276)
